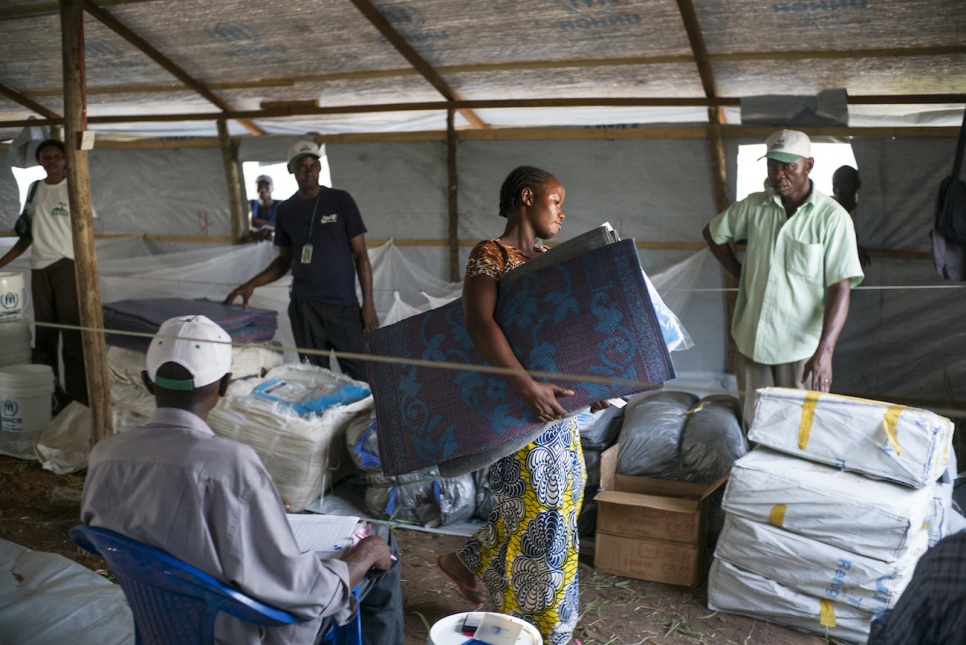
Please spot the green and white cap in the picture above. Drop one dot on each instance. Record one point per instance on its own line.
(196, 344)
(788, 145)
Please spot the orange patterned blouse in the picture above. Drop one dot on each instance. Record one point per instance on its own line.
(496, 259)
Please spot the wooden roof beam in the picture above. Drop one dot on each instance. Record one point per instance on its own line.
(524, 66)
(701, 59)
(51, 7)
(17, 97)
(277, 113)
(154, 54)
(425, 69)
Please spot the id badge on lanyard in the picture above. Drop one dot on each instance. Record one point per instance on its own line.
(307, 249)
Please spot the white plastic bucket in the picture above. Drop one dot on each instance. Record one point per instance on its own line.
(14, 342)
(447, 631)
(26, 393)
(13, 296)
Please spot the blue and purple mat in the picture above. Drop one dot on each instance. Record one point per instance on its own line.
(586, 315)
(243, 325)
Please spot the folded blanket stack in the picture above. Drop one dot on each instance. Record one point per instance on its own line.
(243, 325)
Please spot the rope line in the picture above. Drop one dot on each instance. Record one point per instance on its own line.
(556, 377)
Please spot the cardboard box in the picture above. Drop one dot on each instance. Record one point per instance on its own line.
(651, 529)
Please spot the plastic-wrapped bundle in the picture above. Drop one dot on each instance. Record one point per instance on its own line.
(943, 520)
(676, 337)
(422, 497)
(599, 430)
(303, 456)
(736, 591)
(816, 568)
(587, 520)
(878, 439)
(651, 433)
(364, 443)
(592, 462)
(485, 497)
(306, 401)
(712, 439)
(873, 518)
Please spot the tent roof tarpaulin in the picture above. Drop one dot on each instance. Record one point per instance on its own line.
(329, 66)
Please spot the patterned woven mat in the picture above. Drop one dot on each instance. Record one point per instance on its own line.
(587, 315)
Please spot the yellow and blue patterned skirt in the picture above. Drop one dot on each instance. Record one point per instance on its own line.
(527, 551)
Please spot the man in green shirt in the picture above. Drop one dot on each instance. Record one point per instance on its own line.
(794, 280)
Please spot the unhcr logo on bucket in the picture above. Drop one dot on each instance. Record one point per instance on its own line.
(10, 422)
(10, 300)
(599, 20)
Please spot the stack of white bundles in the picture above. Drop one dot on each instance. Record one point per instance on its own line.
(817, 569)
(828, 517)
(874, 518)
(305, 455)
(126, 365)
(880, 440)
(132, 402)
(737, 591)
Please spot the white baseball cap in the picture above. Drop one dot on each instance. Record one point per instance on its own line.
(196, 344)
(301, 149)
(788, 145)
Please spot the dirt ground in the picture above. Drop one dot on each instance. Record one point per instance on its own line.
(38, 507)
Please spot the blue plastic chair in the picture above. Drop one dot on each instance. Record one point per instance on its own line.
(173, 602)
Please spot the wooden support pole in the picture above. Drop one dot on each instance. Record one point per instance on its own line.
(235, 200)
(452, 182)
(722, 200)
(82, 222)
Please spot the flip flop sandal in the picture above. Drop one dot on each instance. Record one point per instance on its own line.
(470, 594)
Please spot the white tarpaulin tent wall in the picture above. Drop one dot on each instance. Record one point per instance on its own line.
(899, 343)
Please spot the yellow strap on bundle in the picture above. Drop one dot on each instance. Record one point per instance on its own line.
(777, 515)
(827, 612)
(808, 415)
(890, 422)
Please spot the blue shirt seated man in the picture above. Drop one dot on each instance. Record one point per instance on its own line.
(932, 609)
(208, 500)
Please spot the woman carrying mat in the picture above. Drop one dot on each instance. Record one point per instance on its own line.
(526, 553)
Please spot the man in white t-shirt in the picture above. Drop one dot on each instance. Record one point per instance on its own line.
(52, 280)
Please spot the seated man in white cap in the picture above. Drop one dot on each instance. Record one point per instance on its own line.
(321, 238)
(793, 285)
(208, 500)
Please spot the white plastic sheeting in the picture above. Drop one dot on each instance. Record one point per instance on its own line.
(897, 343)
(46, 598)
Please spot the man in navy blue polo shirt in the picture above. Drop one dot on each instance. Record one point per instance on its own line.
(321, 238)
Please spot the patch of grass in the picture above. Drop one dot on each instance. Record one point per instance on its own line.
(424, 620)
(679, 627)
(17, 468)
